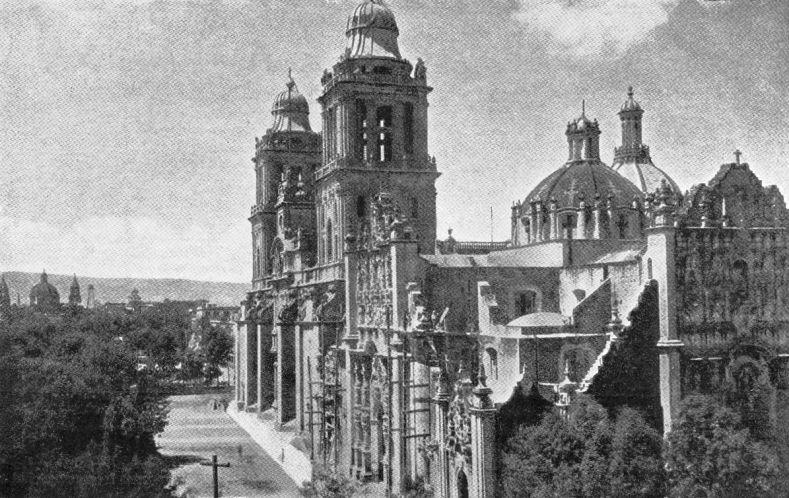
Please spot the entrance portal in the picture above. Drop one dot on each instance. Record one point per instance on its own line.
(462, 485)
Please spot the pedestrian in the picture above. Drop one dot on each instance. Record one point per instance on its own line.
(282, 457)
(240, 451)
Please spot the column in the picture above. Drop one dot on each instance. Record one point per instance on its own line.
(345, 431)
(661, 242)
(237, 361)
(420, 415)
(440, 476)
(259, 358)
(580, 221)
(538, 219)
(299, 367)
(372, 131)
(483, 442)
(397, 422)
(252, 365)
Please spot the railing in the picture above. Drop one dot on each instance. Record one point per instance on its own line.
(405, 164)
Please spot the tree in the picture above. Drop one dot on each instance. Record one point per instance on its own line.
(636, 465)
(216, 344)
(78, 418)
(539, 457)
(711, 453)
(584, 455)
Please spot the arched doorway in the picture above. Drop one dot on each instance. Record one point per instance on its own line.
(462, 485)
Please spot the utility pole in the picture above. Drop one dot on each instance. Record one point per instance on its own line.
(215, 467)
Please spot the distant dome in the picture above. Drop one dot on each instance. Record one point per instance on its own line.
(372, 31)
(583, 179)
(44, 294)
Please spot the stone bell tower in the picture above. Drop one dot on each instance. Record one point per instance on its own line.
(374, 106)
(286, 158)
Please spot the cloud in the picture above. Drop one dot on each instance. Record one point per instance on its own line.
(594, 28)
(116, 247)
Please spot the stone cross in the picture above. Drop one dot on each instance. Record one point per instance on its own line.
(213, 463)
(737, 155)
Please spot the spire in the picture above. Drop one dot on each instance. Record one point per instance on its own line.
(5, 296)
(44, 277)
(74, 297)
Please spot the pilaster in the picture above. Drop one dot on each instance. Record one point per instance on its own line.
(483, 442)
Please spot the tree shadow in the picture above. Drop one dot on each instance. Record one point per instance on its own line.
(176, 461)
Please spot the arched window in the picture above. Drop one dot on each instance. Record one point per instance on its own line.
(361, 207)
(408, 128)
(526, 302)
(384, 120)
(362, 150)
(621, 225)
(329, 241)
(568, 225)
(492, 363)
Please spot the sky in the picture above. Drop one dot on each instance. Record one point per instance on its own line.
(127, 126)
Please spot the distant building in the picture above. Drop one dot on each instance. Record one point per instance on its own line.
(44, 296)
(74, 296)
(91, 301)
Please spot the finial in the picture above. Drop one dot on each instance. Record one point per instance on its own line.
(290, 84)
(449, 232)
(737, 155)
(630, 91)
(583, 108)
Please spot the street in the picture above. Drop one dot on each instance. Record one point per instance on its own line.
(196, 431)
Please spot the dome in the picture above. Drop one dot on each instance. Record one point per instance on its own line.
(645, 175)
(372, 31)
(630, 104)
(290, 109)
(583, 179)
(44, 294)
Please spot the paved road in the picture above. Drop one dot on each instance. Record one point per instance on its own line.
(196, 431)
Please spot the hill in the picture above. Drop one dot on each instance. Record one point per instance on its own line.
(118, 289)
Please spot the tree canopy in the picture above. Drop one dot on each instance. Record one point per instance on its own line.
(78, 414)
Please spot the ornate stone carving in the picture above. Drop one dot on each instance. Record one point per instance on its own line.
(289, 313)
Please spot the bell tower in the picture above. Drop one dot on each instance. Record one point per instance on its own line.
(374, 109)
(286, 158)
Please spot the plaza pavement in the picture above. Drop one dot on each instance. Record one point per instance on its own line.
(196, 431)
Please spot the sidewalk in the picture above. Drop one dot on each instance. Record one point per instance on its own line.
(276, 443)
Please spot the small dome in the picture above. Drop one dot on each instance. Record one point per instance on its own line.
(44, 294)
(290, 109)
(372, 31)
(372, 14)
(583, 180)
(630, 104)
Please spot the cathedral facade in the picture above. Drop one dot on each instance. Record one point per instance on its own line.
(398, 358)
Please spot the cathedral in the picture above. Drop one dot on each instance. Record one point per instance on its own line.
(398, 357)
